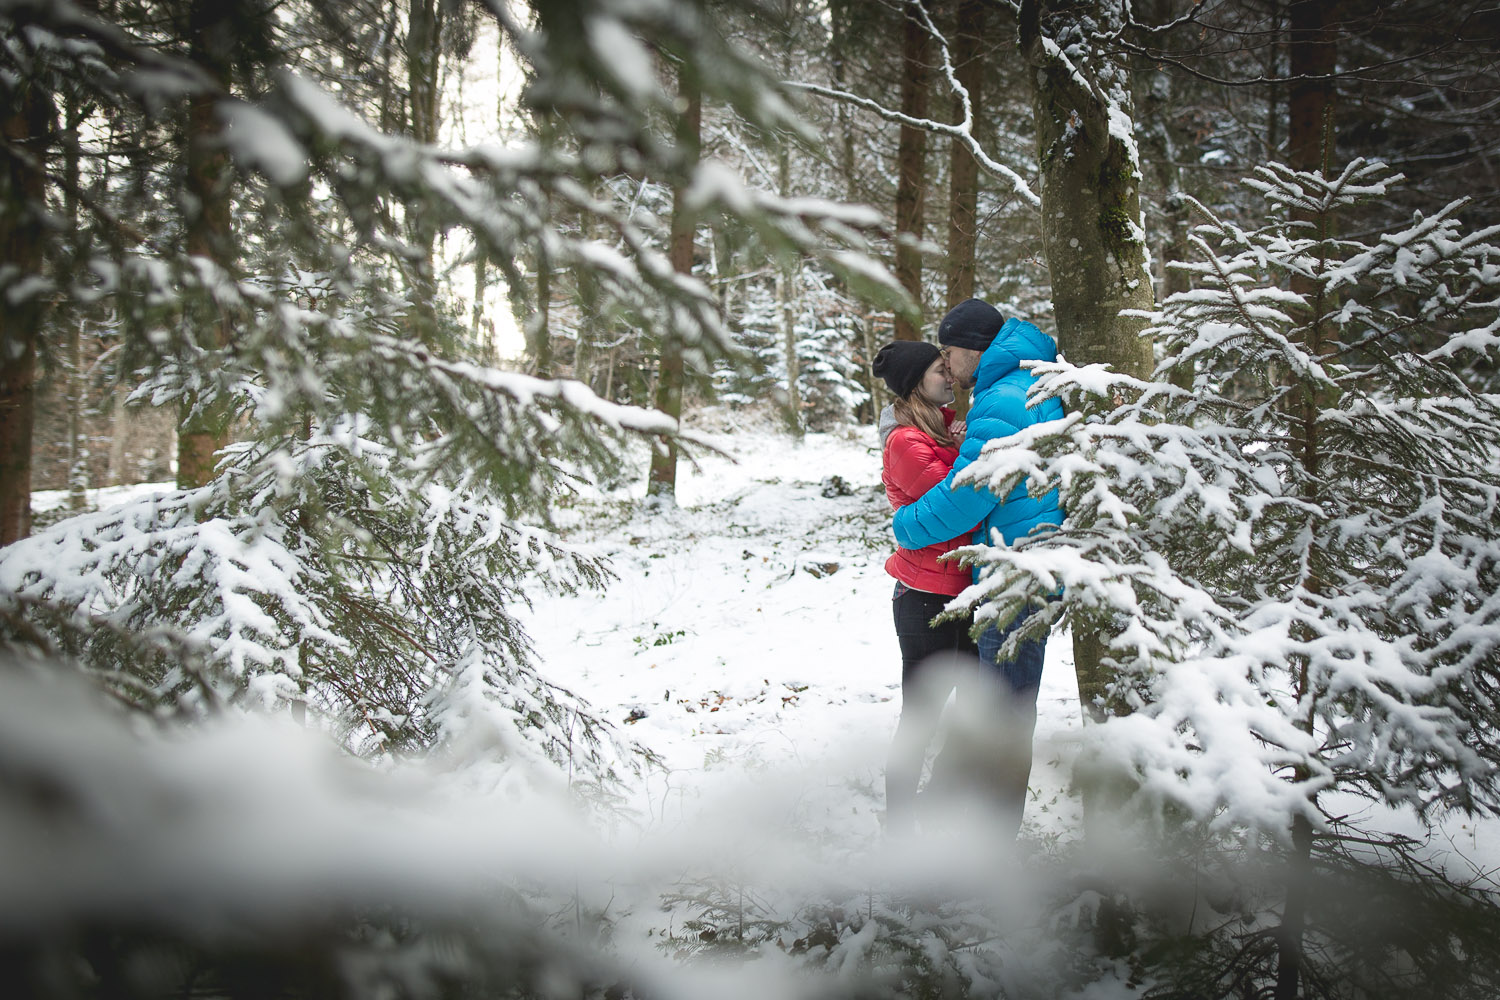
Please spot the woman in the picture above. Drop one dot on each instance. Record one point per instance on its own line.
(921, 443)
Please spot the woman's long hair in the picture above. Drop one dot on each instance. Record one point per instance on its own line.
(916, 410)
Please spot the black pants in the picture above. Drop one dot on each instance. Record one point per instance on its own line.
(927, 653)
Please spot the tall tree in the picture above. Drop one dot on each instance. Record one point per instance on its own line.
(1091, 220)
(424, 62)
(1313, 616)
(25, 129)
(911, 158)
(963, 168)
(662, 478)
(213, 29)
(1312, 59)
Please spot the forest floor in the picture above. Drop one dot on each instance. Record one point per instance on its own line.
(749, 633)
(746, 641)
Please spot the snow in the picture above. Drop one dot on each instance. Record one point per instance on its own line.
(747, 642)
(259, 140)
(750, 631)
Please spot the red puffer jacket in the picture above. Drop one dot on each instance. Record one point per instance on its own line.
(913, 464)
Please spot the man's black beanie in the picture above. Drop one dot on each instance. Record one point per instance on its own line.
(971, 324)
(902, 364)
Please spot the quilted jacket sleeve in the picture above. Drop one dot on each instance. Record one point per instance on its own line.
(947, 511)
(914, 464)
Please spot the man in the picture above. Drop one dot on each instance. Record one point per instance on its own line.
(984, 351)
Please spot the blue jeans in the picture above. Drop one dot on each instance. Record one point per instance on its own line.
(1022, 676)
(989, 750)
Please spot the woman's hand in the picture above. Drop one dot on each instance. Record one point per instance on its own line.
(958, 429)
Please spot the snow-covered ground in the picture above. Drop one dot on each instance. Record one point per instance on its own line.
(746, 641)
(749, 632)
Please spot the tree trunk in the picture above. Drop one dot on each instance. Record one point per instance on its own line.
(23, 188)
(1159, 149)
(483, 336)
(786, 281)
(911, 167)
(203, 429)
(423, 63)
(663, 476)
(1294, 912)
(839, 12)
(1091, 233)
(1313, 56)
(963, 170)
(538, 327)
(76, 385)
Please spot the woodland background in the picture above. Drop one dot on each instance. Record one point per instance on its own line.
(391, 292)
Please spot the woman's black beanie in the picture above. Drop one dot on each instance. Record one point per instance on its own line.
(902, 364)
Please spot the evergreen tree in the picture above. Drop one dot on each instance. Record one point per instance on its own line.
(363, 551)
(1299, 554)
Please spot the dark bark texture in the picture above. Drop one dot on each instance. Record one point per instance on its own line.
(1091, 233)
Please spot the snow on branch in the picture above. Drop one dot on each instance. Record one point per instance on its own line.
(1295, 560)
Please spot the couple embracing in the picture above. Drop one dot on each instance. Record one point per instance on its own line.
(924, 447)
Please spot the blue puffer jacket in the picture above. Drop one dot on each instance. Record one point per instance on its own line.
(998, 410)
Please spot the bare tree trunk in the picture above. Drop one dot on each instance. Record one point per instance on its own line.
(1159, 149)
(26, 125)
(963, 170)
(483, 336)
(75, 383)
(839, 13)
(539, 324)
(662, 481)
(911, 166)
(119, 416)
(1312, 59)
(423, 65)
(203, 429)
(786, 282)
(1313, 54)
(1091, 233)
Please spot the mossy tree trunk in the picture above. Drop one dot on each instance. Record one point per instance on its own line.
(1091, 222)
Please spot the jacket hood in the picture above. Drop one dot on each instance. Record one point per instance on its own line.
(1016, 342)
(887, 423)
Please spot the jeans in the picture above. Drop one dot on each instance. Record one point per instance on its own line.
(1012, 706)
(987, 751)
(929, 656)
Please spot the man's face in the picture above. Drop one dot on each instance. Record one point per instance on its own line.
(961, 364)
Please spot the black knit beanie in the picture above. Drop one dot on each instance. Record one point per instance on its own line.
(902, 364)
(971, 324)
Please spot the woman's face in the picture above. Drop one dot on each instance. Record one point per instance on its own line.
(934, 385)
